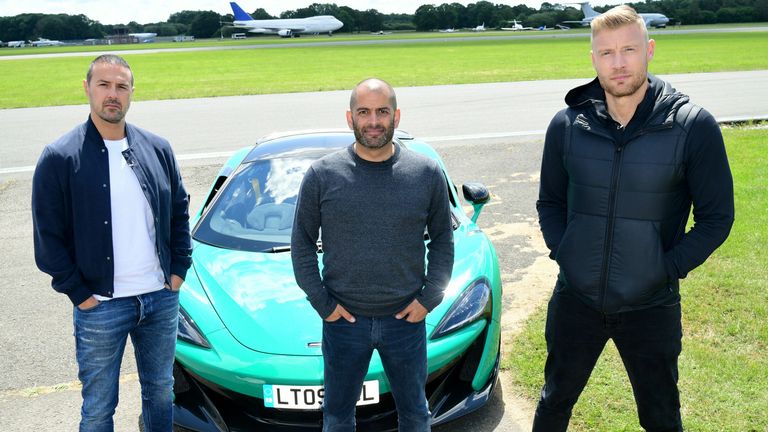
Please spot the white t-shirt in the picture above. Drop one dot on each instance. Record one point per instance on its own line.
(137, 266)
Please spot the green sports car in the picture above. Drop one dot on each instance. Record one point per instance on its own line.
(248, 353)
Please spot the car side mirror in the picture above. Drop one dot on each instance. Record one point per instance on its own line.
(477, 195)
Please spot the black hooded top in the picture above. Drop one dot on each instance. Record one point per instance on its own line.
(614, 201)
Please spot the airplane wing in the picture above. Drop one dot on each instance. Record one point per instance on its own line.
(292, 29)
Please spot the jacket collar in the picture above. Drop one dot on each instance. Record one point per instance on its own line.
(93, 136)
(657, 108)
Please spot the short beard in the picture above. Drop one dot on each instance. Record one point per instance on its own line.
(379, 142)
(631, 88)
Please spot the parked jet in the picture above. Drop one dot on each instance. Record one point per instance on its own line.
(41, 42)
(651, 19)
(285, 27)
(516, 26)
(479, 28)
(448, 30)
(144, 37)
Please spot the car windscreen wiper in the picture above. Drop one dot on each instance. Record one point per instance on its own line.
(287, 248)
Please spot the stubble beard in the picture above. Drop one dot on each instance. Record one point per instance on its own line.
(630, 87)
(376, 143)
(111, 115)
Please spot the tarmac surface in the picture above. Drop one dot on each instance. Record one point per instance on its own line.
(490, 133)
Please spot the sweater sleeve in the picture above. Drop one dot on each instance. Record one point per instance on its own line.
(710, 184)
(54, 251)
(306, 229)
(552, 204)
(440, 246)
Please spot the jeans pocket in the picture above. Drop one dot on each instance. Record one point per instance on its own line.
(90, 309)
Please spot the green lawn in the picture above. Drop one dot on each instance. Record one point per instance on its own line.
(724, 364)
(170, 75)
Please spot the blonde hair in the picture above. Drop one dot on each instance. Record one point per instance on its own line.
(617, 17)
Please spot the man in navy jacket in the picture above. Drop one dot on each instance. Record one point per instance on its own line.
(621, 168)
(111, 227)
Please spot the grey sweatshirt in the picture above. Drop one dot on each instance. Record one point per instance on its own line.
(373, 216)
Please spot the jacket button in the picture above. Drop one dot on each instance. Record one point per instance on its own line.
(103, 150)
(104, 185)
(108, 258)
(106, 222)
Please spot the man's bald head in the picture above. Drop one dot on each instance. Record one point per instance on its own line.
(373, 85)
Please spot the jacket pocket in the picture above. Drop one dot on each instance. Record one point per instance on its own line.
(580, 253)
(637, 271)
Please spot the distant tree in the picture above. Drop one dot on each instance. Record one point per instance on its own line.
(349, 17)
(52, 27)
(426, 18)
(447, 16)
(260, 14)
(183, 17)
(372, 20)
(205, 25)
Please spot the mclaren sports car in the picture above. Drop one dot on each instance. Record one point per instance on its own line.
(248, 355)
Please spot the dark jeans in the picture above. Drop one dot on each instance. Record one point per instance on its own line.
(649, 342)
(100, 337)
(347, 350)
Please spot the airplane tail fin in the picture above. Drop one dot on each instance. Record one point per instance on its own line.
(588, 11)
(240, 14)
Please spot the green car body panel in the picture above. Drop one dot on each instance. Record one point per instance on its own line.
(262, 330)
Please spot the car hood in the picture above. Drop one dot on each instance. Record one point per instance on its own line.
(257, 299)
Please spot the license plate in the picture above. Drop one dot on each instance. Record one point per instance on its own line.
(311, 397)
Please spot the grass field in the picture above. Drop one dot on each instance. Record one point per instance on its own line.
(34, 81)
(723, 378)
(272, 40)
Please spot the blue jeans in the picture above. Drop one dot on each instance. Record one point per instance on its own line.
(649, 342)
(100, 337)
(347, 350)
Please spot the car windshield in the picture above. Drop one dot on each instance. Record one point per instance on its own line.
(254, 211)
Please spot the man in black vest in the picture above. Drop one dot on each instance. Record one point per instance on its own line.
(621, 168)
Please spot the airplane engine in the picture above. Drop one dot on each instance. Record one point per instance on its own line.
(284, 33)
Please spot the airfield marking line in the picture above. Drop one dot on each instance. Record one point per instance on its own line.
(36, 391)
(225, 154)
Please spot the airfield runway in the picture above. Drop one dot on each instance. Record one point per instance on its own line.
(487, 132)
(387, 39)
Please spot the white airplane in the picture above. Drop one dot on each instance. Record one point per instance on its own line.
(516, 27)
(481, 27)
(41, 42)
(651, 19)
(285, 27)
(448, 30)
(144, 37)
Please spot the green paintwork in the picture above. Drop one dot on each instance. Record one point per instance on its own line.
(259, 322)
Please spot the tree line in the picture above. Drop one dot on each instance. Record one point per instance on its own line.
(206, 24)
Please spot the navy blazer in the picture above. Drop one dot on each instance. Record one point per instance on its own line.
(71, 213)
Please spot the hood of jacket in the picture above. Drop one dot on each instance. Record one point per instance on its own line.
(657, 108)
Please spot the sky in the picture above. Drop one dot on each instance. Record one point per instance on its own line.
(149, 11)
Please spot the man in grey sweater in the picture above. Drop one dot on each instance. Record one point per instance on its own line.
(373, 201)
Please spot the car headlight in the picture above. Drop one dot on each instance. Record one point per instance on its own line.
(471, 305)
(188, 330)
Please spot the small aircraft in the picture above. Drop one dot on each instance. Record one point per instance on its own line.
(41, 42)
(651, 19)
(479, 28)
(448, 30)
(285, 27)
(516, 26)
(144, 37)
